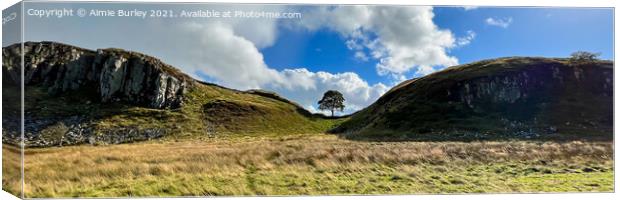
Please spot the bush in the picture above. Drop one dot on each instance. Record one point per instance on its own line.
(583, 57)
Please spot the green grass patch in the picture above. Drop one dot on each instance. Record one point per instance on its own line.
(313, 164)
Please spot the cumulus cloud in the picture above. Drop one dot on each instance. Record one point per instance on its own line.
(229, 58)
(215, 50)
(357, 92)
(504, 22)
(262, 32)
(401, 39)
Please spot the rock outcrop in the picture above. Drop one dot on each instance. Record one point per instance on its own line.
(103, 76)
(116, 74)
(63, 131)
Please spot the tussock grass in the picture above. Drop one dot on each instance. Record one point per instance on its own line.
(312, 165)
(11, 171)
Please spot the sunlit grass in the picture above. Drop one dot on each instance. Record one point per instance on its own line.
(312, 165)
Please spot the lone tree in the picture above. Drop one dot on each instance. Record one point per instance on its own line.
(332, 100)
(583, 57)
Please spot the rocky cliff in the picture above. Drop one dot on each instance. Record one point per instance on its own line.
(524, 97)
(69, 91)
(117, 75)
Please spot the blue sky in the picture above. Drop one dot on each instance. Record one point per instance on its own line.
(547, 32)
(361, 51)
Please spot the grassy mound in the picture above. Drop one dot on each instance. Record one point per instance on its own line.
(229, 112)
(506, 97)
(208, 111)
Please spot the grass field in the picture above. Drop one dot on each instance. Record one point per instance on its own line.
(311, 165)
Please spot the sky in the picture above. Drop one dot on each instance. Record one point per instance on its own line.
(361, 51)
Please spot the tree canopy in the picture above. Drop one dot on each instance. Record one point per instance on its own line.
(332, 100)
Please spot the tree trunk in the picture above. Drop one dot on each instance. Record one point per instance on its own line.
(332, 113)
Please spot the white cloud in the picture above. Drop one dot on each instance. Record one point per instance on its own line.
(402, 39)
(425, 70)
(313, 109)
(262, 32)
(504, 23)
(215, 49)
(352, 44)
(360, 55)
(225, 56)
(465, 40)
(356, 91)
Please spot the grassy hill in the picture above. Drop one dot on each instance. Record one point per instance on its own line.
(208, 110)
(501, 98)
(63, 108)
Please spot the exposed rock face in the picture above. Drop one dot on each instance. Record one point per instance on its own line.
(533, 95)
(74, 130)
(101, 76)
(532, 85)
(117, 75)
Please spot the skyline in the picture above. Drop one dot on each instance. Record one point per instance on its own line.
(359, 50)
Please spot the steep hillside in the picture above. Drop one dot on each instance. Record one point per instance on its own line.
(75, 95)
(502, 98)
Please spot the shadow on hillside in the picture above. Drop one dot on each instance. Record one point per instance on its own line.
(308, 114)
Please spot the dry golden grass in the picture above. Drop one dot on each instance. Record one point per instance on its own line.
(11, 171)
(319, 164)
